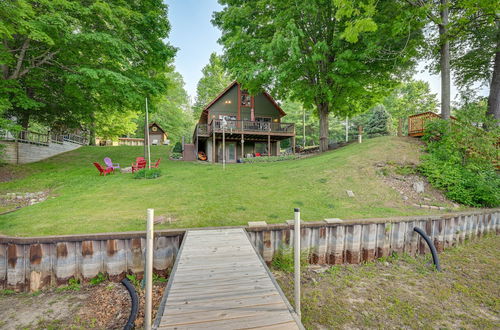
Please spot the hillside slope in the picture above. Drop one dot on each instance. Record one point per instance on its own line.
(198, 194)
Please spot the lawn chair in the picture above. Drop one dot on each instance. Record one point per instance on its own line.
(109, 163)
(140, 163)
(157, 163)
(103, 171)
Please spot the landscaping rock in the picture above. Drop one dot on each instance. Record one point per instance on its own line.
(418, 186)
(349, 193)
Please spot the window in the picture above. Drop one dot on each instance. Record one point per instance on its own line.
(246, 99)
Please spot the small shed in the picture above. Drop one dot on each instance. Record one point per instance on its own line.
(157, 136)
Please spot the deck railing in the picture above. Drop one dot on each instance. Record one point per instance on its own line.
(242, 126)
(41, 138)
(416, 123)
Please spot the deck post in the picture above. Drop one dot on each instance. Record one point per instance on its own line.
(148, 301)
(296, 263)
(213, 141)
(293, 144)
(269, 143)
(242, 146)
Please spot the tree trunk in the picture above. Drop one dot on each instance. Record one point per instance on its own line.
(323, 127)
(444, 61)
(92, 130)
(400, 127)
(494, 97)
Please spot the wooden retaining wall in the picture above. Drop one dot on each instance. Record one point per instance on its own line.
(30, 264)
(355, 241)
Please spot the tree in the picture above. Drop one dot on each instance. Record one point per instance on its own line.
(408, 99)
(378, 121)
(67, 62)
(215, 78)
(171, 110)
(475, 50)
(336, 56)
(295, 113)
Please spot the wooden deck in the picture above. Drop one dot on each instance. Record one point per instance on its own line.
(220, 282)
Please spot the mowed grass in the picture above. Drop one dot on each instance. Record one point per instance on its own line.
(201, 194)
(402, 292)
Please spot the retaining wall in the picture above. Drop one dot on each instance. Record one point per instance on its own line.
(21, 153)
(30, 264)
(37, 262)
(354, 241)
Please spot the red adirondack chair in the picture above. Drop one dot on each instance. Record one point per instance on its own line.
(140, 163)
(157, 163)
(103, 171)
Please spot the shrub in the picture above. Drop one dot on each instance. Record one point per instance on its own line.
(175, 155)
(269, 159)
(147, 173)
(177, 147)
(460, 162)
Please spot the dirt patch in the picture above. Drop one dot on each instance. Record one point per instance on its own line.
(405, 292)
(413, 188)
(102, 306)
(12, 201)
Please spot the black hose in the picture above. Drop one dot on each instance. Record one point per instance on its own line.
(431, 246)
(135, 304)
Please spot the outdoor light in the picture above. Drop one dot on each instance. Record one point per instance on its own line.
(275, 120)
(227, 102)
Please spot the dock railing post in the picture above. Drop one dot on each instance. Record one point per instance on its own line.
(296, 250)
(148, 303)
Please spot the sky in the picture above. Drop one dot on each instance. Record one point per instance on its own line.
(196, 37)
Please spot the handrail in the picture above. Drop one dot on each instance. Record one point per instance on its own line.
(26, 136)
(251, 126)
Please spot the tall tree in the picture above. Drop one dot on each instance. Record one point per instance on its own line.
(64, 62)
(171, 110)
(338, 56)
(475, 49)
(215, 78)
(408, 99)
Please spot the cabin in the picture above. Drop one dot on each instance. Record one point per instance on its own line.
(157, 136)
(244, 125)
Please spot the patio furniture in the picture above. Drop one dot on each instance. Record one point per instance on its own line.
(109, 163)
(103, 171)
(140, 163)
(157, 163)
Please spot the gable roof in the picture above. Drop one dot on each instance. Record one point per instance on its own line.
(204, 112)
(155, 124)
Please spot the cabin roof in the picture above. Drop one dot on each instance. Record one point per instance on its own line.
(155, 124)
(204, 113)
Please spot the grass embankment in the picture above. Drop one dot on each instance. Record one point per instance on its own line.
(405, 292)
(200, 194)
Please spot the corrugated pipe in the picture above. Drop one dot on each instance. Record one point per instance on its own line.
(135, 304)
(431, 246)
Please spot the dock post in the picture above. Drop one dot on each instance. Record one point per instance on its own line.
(296, 250)
(148, 303)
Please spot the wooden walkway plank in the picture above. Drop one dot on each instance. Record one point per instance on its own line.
(220, 282)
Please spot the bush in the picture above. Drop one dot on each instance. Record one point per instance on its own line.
(460, 162)
(269, 159)
(175, 155)
(177, 147)
(147, 173)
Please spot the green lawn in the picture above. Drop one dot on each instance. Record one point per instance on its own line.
(402, 292)
(198, 194)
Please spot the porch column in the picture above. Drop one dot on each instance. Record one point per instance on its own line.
(269, 142)
(213, 142)
(242, 145)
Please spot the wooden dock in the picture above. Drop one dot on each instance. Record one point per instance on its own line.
(219, 281)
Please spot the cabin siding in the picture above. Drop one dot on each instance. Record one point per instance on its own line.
(264, 108)
(221, 108)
